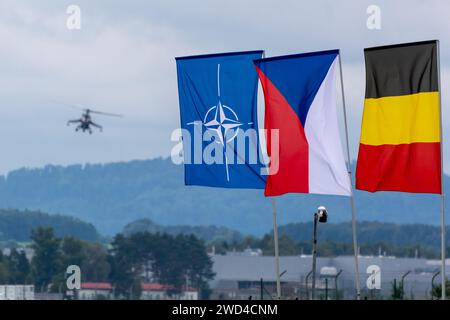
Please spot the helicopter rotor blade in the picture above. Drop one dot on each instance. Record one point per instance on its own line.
(81, 108)
(106, 113)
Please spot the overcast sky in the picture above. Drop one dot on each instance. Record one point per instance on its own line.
(122, 60)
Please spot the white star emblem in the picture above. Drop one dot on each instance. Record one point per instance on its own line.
(221, 124)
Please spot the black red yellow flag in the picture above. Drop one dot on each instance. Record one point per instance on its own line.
(400, 146)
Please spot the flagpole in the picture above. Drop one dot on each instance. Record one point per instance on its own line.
(443, 293)
(275, 239)
(277, 256)
(352, 200)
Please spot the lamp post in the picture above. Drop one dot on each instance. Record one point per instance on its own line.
(306, 284)
(320, 216)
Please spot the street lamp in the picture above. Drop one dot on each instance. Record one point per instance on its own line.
(306, 284)
(321, 216)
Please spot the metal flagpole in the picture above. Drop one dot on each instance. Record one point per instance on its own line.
(314, 252)
(352, 201)
(277, 256)
(443, 293)
(275, 239)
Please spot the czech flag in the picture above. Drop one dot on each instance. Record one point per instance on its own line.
(300, 101)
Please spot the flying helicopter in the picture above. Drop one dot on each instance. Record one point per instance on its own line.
(85, 123)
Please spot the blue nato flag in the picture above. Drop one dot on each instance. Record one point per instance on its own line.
(218, 113)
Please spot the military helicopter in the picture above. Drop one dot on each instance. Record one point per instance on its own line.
(85, 123)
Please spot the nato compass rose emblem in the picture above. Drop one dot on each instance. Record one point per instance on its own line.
(219, 120)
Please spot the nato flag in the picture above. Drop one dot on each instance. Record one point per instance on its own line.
(218, 108)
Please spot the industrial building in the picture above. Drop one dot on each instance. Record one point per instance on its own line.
(239, 276)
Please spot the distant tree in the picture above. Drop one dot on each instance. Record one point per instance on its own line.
(95, 267)
(91, 258)
(168, 265)
(73, 251)
(125, 268)
(47, 260)
(286, 245)
(176, 261)
(3, 269)
(182, 261)
(199, 267)
(249, 242)
(19, 267)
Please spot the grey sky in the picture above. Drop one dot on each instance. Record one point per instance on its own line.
(122, 60)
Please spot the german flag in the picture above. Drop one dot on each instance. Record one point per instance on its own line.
(400, 146)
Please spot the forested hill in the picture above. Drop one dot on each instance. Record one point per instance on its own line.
(205, 233)
(17, 225)
(113, 195)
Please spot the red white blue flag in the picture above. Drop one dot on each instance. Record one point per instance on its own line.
(300, 102)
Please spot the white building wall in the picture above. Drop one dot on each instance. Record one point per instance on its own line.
(16, 292)
(92, 294)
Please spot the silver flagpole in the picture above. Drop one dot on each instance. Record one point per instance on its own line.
(277, 256)
(275, 238)
(352, 201)
(443, 293)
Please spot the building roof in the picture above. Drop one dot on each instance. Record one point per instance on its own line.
(96, 286)
(155, 287)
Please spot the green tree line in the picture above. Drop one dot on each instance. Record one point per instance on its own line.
(176, 261)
